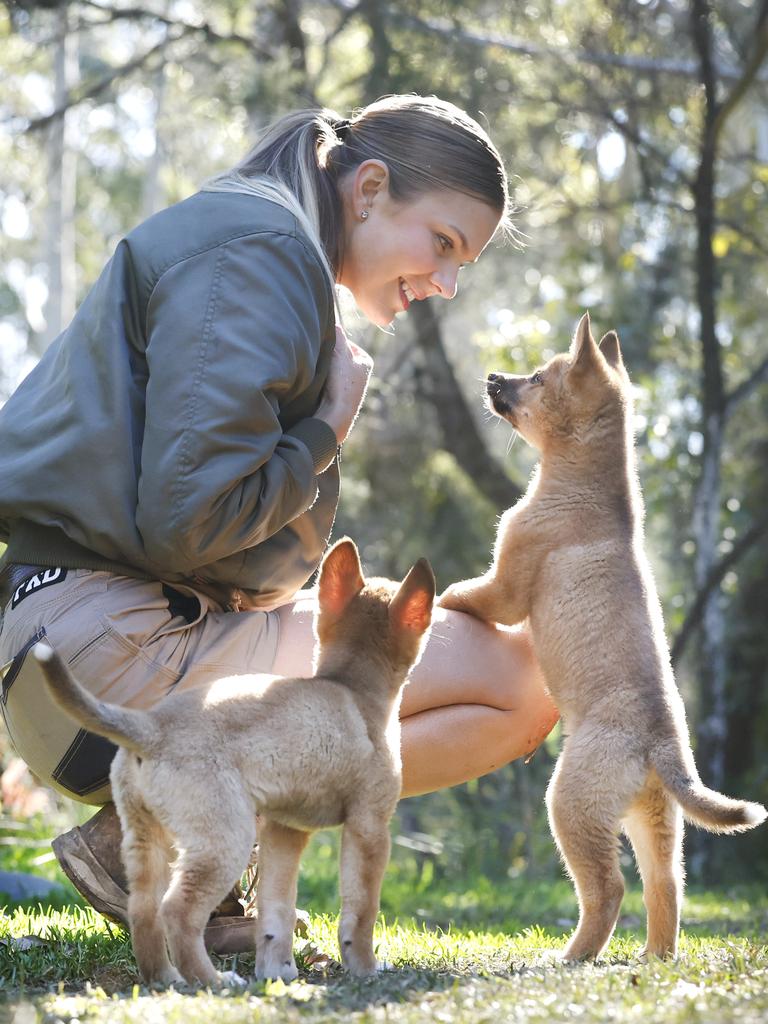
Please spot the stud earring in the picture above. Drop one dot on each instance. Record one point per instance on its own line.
(364, 215)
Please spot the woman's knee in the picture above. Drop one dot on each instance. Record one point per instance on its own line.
(528, 699)
(512, 661)
(467, 661)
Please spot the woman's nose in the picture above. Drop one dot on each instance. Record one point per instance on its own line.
(446, 280)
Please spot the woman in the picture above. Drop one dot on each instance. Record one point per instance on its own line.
(172, 459)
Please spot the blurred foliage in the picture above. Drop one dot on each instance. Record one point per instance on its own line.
(597, 108)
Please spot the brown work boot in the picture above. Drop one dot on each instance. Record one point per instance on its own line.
(89, 855)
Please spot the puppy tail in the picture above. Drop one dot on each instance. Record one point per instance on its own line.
(702, 806)
(125, 726)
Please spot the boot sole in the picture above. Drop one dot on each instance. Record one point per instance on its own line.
(89, 878)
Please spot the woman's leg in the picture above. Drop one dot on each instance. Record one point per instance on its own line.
(475, 701)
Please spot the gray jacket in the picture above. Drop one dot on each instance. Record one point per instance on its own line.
(169, 431)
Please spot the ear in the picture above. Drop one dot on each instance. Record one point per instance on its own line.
(341, 577)
(411, 607)
(371, 178)
(585, 354)
(609, 346)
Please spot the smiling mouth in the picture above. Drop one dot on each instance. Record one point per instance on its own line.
(407, 295)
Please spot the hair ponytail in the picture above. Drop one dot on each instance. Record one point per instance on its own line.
(286, 166)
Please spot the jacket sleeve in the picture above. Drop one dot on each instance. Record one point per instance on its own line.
(232, 333)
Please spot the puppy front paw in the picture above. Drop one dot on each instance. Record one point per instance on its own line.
(165, 979)
(362, 970)
(270, 969)
(359, 963)
(451, 599)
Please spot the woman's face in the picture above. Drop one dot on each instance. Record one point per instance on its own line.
(403, 252)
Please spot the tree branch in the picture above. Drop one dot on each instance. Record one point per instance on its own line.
(644, 148)
(750, 73)
(100, 85)
(743, 390)
(745, 234)
(713, 580)
(451, 30)
(182, 29)
(113, 14)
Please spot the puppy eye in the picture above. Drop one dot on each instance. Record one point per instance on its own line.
(537, 378)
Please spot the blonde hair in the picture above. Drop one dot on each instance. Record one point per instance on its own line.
(427, 144)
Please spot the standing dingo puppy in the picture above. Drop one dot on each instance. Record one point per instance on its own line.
(569, 557)
(192, 774)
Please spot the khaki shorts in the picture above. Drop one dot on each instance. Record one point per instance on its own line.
(129, 642)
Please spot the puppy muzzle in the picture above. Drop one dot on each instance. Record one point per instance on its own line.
(499, 403)
(493, 385)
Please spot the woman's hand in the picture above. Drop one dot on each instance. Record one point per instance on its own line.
(345, 388)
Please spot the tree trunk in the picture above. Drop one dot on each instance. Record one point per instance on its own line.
(152, 195)
(707, 497)
(62, 179)
(461, 436)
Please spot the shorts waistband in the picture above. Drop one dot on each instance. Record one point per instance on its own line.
(15, 574)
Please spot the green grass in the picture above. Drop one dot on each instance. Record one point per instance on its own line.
(81, 969)
(462, 951)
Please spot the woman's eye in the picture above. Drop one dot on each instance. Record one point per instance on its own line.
(445, 243)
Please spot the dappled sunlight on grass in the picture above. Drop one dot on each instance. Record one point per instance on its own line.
(83, 970)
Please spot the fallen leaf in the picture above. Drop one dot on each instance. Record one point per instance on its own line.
(313, 957)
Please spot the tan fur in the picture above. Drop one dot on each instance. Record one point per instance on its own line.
(569, 557)
(193, 773)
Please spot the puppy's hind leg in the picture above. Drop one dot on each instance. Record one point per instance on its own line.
(654, 826)
(586, 828)
(365, 846)
(146, 853)
(213, 853)
(280, 849)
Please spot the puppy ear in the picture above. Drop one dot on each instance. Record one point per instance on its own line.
(610, 348)
(411, 607)
(584, 353)
(341, 577)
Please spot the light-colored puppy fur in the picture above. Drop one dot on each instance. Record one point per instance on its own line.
(569, 557)
(192, 774)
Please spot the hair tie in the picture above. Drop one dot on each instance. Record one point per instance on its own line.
(341, 128)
